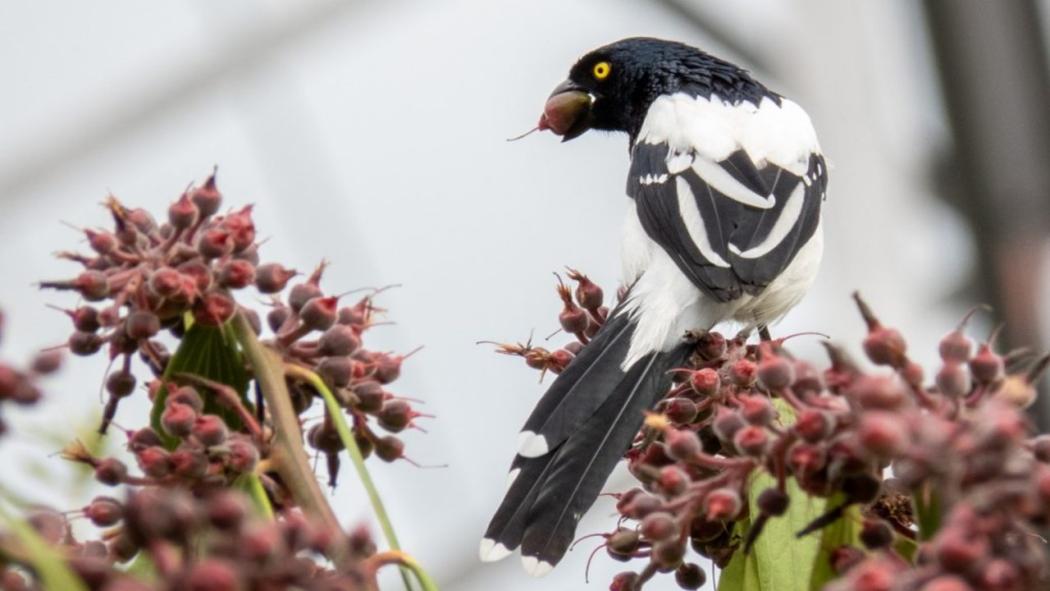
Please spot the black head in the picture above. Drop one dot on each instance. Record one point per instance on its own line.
(612, 87)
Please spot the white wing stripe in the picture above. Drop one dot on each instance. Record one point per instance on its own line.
(694, 224)
(723, 182)
(787, 220)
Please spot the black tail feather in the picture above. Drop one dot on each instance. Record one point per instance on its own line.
(582, 464)
(590, 414)
(508, 524)
(578, 392)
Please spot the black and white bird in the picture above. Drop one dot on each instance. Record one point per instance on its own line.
(726, 183)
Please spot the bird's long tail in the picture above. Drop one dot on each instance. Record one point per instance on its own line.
(572, 441)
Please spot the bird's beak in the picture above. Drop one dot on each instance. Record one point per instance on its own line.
(567, 112)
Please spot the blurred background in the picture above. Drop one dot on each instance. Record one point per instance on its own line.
(373, 134)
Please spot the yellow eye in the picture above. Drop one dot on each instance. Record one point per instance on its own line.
(602, 70)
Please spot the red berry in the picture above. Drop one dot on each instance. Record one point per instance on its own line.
(187, 395)
(215, 243)
(814, 425)
(875, 534)
(241, 228)
(882, 433)
(956, 346)
(272, 277)
(183, 213)
(659, 526)
(207, 198)
(319, 313)
(141, 324)
(751, 440)
(110, 471)
(722, 504)
(120, 384)
(673, 480)
(92, 285)
(775, 372)
(705, 382)
(773, 501)
(178, 419)
(154, 461)
(243, 455)
(101, 242)
(743, 373)
(236, 274)
(210, 430)
(682, 444)
(726, 424)
(104, 511)
(987, 366)
(756, 409)
(878, 392)
(395, 415)
(389, 448)
(336, 371)
(690, 576)
(214, 308)
(339, 339)
(953, 379)
(680, 410)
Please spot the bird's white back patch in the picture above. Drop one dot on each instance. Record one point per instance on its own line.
(713, 128)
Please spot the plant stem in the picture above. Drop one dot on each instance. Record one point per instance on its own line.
(254, 486)
(288, 454)
(406, 561)
(347, 437)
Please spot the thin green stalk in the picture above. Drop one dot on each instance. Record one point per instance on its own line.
(347, 437)
(46, 562)
(288, 454)
(405, 562)
(424, 579)
(253, 485)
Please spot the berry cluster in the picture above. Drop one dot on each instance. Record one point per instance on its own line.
(18, 386)
(947, 469)
(185, 512)
(210, 543)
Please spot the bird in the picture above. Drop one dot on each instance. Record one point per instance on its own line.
(725, 186)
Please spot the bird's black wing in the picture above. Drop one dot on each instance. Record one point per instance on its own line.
(730, 226)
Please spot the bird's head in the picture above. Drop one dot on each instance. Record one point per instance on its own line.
(612, 87)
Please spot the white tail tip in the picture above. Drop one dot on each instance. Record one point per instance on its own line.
(536, 567)
(491, 551)
(531, 445)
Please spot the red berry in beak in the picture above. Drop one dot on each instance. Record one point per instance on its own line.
(566, 111)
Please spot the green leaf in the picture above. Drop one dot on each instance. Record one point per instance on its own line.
(927, 512)
(846, 530)
(210, 352)
(47, 564)
(779, 560)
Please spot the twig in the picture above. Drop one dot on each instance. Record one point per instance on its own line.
(288, 455)
(336, 413)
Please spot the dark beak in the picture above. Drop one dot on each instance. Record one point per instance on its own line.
(568, 111)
